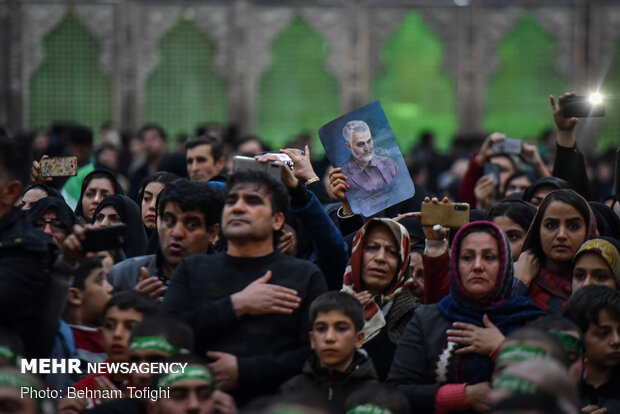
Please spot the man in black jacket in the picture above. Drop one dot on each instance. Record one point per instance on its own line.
(248, 306)
(26, 258)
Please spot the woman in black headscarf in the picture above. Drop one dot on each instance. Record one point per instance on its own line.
(116, 209)
(53, 217)
(96, 185)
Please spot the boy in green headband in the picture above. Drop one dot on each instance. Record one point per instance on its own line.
(192, 391)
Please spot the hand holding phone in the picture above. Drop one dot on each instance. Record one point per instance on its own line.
(58, 167)
(508, 146)
(450, 215)
(574, 106)
(273, 168)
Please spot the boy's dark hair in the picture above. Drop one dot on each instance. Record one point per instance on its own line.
(380, 395)
(147, 127)
(556, 349)
(274, 188)
(217, 150)
(338, 301)
(174, 330)
(584, 306)
(163, 177)
(84, 267)
(131, 299)
(14, 160)
(189, 196)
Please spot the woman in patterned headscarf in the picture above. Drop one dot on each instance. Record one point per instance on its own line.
(597, 262)
(563, 222)
(378, 275)
(436, 363)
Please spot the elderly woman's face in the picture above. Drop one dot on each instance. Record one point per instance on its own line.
(380, 258)
(562, 231)
(478, 264)
(31, 197)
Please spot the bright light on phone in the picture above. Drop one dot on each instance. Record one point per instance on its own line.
(595, 98)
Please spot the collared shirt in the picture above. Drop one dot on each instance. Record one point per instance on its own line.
(379, 172)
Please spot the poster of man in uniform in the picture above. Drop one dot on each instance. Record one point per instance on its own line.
(363, 145)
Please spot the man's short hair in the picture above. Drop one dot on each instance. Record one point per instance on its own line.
(217, 150)
(585, 306)
(174, 330)
(189, 196)
(338, 301)
(354, 126)
(147, 127)
(14, 160)
(131, 299)
(275, 189)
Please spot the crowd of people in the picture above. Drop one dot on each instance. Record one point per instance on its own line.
(277, 297)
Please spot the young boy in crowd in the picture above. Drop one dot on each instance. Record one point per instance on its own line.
(154, 339)
(124, 311)
(193, 391)
(78, 333)
(338, 366)
(596, 311)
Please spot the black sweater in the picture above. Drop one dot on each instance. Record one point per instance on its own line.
(269, 348)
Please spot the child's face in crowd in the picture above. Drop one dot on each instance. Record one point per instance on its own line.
(335, 339)
(602, 341)
(97, 291)
(187, 396)
(562, 231)
(592, 269)
(380, 257)
(116, 331)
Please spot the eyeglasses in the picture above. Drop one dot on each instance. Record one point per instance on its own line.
(55, 224)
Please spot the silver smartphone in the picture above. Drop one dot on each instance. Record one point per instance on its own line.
(273, 168)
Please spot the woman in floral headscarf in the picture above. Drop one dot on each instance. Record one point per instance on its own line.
(563, 222)
(439, 368)
(378, 275)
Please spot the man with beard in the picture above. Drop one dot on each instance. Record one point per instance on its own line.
(364, 170)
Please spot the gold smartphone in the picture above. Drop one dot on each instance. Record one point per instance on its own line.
(58, 167)
(451, 215)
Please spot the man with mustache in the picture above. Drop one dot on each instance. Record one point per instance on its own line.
(249, 305)
(188, 215)
(364, 170)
